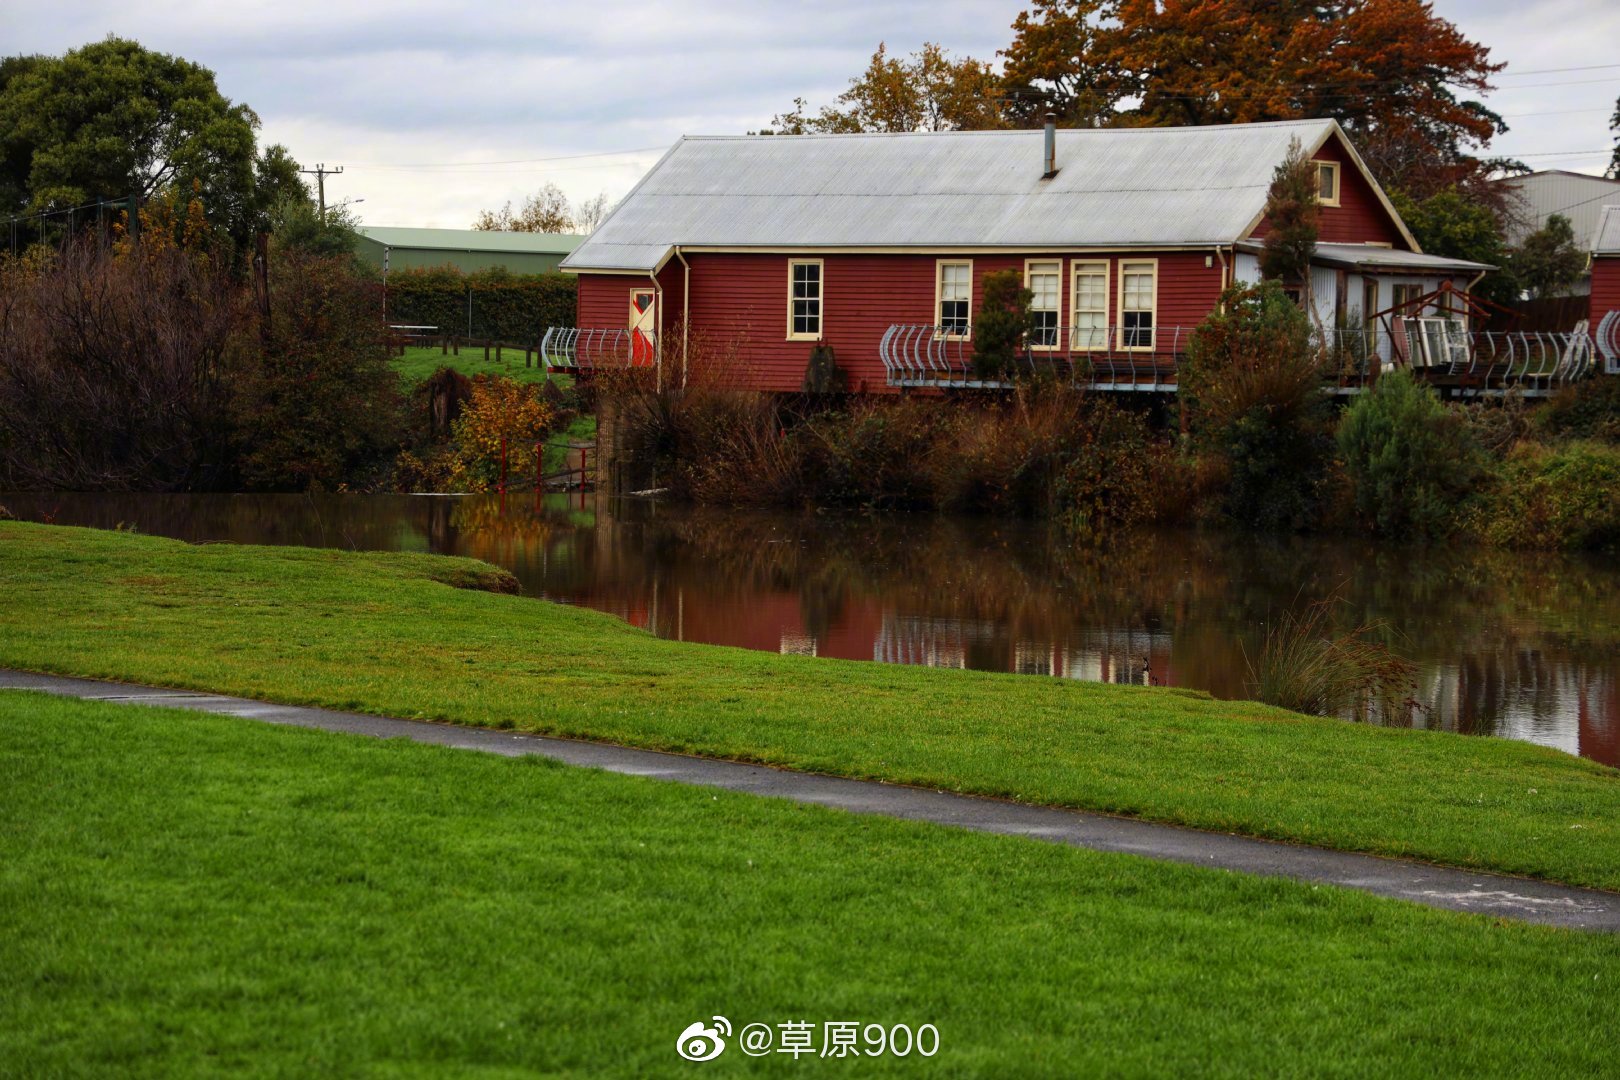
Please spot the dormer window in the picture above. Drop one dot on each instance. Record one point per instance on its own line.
(1327, 182)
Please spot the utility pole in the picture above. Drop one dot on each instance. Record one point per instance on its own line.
(320, 173)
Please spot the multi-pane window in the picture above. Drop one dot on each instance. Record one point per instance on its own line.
(1137, 297)
(804, 298)
(1405, 297)
(1327, 182)
(1090, 305)
(1043, 279)
(955, 298)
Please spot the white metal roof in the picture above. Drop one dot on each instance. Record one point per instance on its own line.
(1606, 237)
(1577, 196)
(1370, 257)
(1117, 187)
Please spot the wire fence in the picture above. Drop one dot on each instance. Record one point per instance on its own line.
(52, 228)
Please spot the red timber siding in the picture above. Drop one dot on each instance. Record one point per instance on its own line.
(1359, 218)
(739, 305)
(1605, 287)
(604, 299)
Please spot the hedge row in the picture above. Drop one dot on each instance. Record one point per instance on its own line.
(499, 305)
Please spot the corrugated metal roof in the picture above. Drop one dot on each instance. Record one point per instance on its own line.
(1577, 196)
(1606, 237)
(1117, 187)
(473, 240)
(1382, 258)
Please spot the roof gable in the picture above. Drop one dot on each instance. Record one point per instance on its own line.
(1606, 240)
(1117, 187)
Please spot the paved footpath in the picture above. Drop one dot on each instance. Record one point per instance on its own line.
(1436, 886)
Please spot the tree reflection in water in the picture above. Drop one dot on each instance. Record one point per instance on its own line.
(1521, 645)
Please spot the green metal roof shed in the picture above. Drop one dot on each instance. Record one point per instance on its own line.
(468, 250)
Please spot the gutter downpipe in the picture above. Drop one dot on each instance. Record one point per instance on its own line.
(658, 343)
(686, 309)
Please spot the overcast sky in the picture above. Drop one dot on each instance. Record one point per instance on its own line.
(437, 110)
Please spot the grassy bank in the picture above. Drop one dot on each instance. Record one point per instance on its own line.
(186, 894)
(419, 363)
(384, 633)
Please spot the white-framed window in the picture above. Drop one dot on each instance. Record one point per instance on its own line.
(953, 297)
(805, 279)
(1138, 303)
(1044, 280)
(1406, 293)
(1089, 306)
(1327, 183)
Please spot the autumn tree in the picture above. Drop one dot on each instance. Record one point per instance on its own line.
(589, 214)
(1293, 212)
(1393, 73)
(546, 211)
(1054, 65)
(927, 91)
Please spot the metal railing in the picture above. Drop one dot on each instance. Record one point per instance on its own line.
(572, 350)
(1608, 342)
(1113, 358)
(1441, 351)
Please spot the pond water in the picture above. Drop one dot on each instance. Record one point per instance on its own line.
(1516, 645)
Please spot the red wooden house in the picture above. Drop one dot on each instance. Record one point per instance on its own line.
(1606, 265)
(878, 245)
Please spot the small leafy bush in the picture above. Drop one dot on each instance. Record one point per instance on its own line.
(1590, 409)
(1252, 386)
(481, 412)
(1555, 498)
(1410, 460)
(1114, 474)
(1002, 324)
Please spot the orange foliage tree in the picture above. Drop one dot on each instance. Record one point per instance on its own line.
(1392, 72)
(927, 91)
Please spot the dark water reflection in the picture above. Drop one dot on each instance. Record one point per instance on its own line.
(1521, 646)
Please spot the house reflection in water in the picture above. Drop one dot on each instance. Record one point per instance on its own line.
(1504, 645)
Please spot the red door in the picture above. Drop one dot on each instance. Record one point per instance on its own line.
(643, 327)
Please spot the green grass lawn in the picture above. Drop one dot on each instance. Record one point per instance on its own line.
(384, 633)
(419, 363)
(185, 894)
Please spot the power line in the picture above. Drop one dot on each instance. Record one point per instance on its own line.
(320, 173)
(1554, 71)
(1394, 87)
(1554, 112)
(513, 161)
(1561, 153)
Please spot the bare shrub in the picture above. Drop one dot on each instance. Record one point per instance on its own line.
(315, 402)
(113, 368)
(1046, 449)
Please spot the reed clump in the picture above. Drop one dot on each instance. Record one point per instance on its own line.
(1308, 666)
